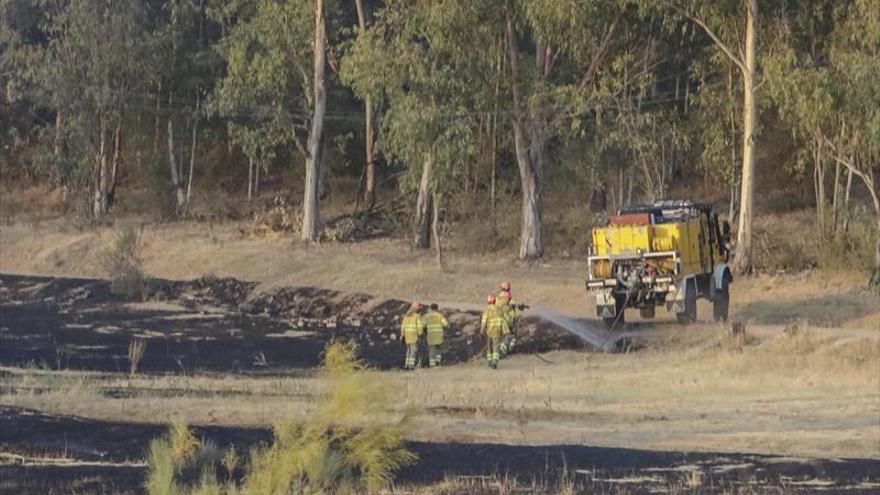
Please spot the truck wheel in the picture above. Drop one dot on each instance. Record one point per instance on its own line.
(689, 315)
(618, 318)
(721, 303)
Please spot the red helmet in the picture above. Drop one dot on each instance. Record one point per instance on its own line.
(490, 298)
(505, 286)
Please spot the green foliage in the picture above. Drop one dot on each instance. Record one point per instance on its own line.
(419, 59)
(161, 469)
(88, 58)
(265, 94)
(348, 445)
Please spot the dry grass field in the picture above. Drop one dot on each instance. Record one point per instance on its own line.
(799, 394)
(804, 383)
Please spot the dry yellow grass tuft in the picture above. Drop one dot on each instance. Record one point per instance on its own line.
(136, 349)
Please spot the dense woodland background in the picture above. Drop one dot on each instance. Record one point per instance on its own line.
(498, 126)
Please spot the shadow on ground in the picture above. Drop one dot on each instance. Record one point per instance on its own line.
(107, 457)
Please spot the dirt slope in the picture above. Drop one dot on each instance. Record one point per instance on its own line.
(389, 269)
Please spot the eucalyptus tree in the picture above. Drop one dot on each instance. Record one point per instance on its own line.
(557, 53)
(86, 64)
(733, 27)
(275, 79)
(828, 89)
(427, 62)
(184, 68)
(369, 131)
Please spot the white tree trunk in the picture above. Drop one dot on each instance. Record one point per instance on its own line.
(435, 231)
(311, 219)
(849, 177)
(59, 136)
(743, 260)
(172, 166)
(192, 151)
(250, 193)
(99, 205)
(874, 281)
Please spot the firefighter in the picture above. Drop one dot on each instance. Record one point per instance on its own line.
(502, 302)
(435, 324)
(508, 310)
(411, 329)
(493, 325)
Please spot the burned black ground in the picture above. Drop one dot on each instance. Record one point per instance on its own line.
(209, 324)
(60, 454)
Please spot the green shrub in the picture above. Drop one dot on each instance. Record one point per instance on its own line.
(348, 445)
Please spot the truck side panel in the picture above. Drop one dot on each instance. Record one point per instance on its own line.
(615, 240)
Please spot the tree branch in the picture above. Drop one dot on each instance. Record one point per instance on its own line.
(699, 21)
(593, 68)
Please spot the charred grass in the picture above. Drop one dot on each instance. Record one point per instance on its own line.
(699, 389)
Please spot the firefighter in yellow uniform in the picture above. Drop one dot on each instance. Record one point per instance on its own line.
(435, 324)
(493, 326)
(411, 329)
(508, 310)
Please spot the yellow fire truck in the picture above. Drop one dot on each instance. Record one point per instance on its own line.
(671, 252)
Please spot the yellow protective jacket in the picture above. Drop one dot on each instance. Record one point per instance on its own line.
(493, 324)
(505, 307)
(412, 327)
(436, 324)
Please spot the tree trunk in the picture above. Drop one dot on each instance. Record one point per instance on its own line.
(192, 151)
(849, 177)
(733, 207)
(172, 165)
(311, 217)
(819, 189)
(156, 125)
(99, 206)
(629, 189)
(59, 136)
(874, 190)
(114, 170)
(743, 261)
(874, 281)
(257, 168)
(498, 72)
(531, 243)
(370, 171)
(835, 200)
(422, 239)
(530, 154)
(435, 231)
(250, 193)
